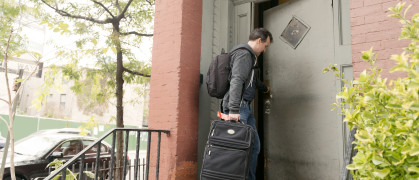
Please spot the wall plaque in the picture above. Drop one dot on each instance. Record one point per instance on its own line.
(294, 33)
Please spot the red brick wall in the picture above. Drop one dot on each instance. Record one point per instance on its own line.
(175, 86)
(371, 27)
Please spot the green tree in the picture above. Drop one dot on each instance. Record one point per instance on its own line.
(101, 26)
(386, 113)
(12, 45)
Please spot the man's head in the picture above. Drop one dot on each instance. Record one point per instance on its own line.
(259, 40)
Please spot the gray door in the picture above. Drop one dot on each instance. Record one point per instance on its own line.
(303, 137)
(242, 22)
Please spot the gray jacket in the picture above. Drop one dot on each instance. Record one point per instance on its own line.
(243, 75)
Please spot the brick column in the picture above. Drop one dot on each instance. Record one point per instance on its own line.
(371, 27)
(175, 86)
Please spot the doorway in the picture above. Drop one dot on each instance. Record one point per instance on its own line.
(301, 137)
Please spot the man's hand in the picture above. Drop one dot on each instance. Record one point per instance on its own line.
(235, 117)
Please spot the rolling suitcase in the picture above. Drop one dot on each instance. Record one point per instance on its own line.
(227, 151)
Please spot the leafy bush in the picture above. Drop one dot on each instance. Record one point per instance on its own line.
(384, 112)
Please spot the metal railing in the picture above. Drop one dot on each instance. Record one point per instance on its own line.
(101, 170)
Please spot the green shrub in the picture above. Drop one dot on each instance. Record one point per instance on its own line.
(384, 112)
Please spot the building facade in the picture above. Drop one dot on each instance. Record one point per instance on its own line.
(301, 137)
(63, 103)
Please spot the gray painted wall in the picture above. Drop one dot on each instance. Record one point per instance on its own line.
(204, 98)
(219, 31)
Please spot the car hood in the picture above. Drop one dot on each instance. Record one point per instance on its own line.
(21, 159)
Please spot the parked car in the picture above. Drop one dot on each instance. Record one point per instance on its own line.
(34, 152)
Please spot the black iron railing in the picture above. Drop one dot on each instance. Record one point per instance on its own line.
(106, 165)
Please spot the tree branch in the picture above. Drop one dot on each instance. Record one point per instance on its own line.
(122, 14)
(6, 73)
(5, 122)
(149, 2)
(1, 99)
(136, 73)
(104, 7)
(136, 33)
(117, 5)
(66, 14)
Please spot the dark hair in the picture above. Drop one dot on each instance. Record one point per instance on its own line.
(260, 33)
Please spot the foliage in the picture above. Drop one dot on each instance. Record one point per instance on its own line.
(100, 29)
(386, 113)
(10, 12)
(89, 124)
(45, 89)
(100, 26)
(57, 164)
(12, 45)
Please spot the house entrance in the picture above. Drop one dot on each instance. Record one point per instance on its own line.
(301, 137)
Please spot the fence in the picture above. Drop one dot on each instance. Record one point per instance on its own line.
(105, 165)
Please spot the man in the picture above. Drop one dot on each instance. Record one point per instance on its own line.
(243, 86)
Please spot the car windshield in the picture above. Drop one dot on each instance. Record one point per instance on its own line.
(35, 145)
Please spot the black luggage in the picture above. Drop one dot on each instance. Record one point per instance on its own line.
(227, 151)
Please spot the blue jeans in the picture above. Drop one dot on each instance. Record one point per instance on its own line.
(246, 116)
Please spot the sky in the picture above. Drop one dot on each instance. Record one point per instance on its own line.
(43, 40)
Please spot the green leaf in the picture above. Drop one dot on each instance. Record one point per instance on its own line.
(20, 80)
(399, 7)
(363, 77)
(406, 10)
(381, 173)
(394, 157)
(378, 160)
(351, 167)
(325, 70)
(57, 177)
(363, 136)
(94, 41)
(366, 55)
(395, 106)
(63, 26)
(89, 174)
(414, 151)
(414, 169)
(415, 139)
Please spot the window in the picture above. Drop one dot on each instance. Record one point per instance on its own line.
(62, 101)
(69, 148)
(93, 150)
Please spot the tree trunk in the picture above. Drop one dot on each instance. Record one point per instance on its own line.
(12, 146)
(119, 95)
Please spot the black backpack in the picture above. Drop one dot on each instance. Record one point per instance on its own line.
(218, 76)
